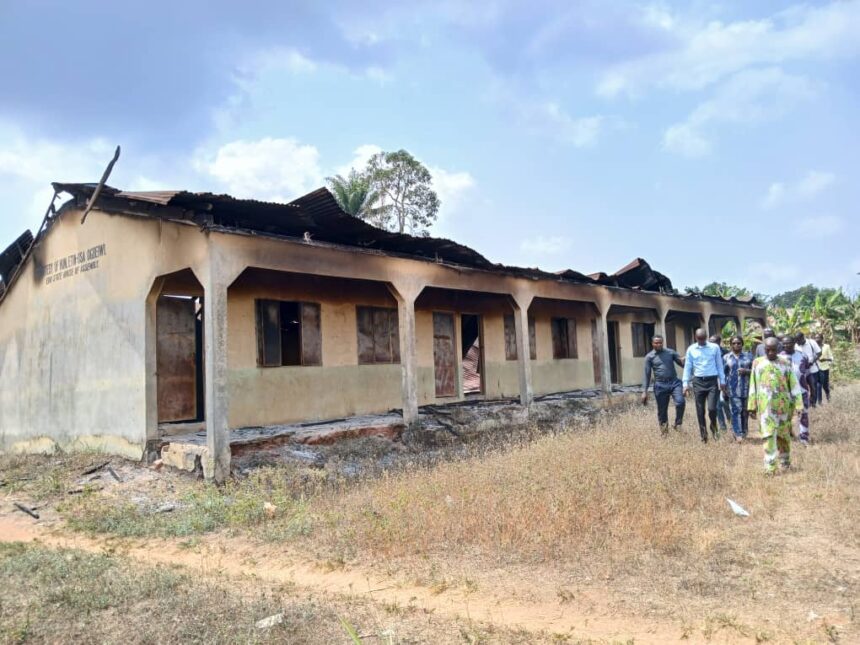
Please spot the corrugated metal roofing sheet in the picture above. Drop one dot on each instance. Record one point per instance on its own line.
(319, 216)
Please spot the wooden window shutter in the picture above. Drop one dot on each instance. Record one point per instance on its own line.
(311, 334)
(381, 336)
(559, 337)
(510, 338)
(268, 333)
(394, 326)
(532, 340)
(572, 351)
(364, 320)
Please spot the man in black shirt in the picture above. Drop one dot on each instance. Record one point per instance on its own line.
(661, 362)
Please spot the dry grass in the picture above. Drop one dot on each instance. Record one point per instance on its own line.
(70, 596)
(611, 506)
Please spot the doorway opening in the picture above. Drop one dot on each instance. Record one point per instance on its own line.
(472, 354)
(614, 353)
(179, 358)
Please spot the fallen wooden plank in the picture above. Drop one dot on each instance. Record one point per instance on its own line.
(26, 510)
(91, 470)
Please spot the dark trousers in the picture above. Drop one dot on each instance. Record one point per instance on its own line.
(665, 390)
(706, 391)
(823, 385)
(740, 416)
(724, 412)
(812, 379)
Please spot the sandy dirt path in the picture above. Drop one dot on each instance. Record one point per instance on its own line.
(244, 562)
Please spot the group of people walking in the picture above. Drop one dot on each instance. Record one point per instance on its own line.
(783, 376)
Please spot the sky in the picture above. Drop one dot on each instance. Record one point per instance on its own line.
(720, 141)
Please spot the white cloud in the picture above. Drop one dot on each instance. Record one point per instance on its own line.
(581, 132)
(748, 97)
(685, 139)
(361, 155)
(775, 195)
(813, 183)
(42, 160)
(267, 169)
(707, 53)
(378, 75)
(817, 227)
(279, 58)
(451, 187)
(545, 245)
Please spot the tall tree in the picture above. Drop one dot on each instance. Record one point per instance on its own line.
(406, 199)
(354, 194)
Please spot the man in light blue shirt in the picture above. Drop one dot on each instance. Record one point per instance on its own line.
(705, 373)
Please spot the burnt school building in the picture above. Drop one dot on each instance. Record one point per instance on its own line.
(157, 308)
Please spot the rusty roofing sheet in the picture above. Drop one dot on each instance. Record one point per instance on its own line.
(319, 216)
(162, 197)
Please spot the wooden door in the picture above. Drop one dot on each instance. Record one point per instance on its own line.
(444, 354)
(614, 352)
(176, 359)
(595, 353)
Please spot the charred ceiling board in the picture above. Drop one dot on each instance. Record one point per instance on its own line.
(176, 356)
(444, 354)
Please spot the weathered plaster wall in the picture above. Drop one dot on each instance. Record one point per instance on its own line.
(632, 367)
(339, 387)
(72, 339)
(561, 375)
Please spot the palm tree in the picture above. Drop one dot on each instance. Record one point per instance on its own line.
(827, 309)
(355, 195)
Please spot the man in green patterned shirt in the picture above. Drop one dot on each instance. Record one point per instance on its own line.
(774, 396)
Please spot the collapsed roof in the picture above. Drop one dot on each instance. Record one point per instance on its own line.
(12, 257)
(318, 216)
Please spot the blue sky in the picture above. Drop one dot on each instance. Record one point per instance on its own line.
(720, 141)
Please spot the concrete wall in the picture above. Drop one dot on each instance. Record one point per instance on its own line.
(72, 360)
(632, 367)
(339, 387)
(552, 375)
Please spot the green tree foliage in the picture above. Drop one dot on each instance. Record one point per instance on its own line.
(407, 202)
(808, 309)
(806, 293)
(394, 192)
(354, 194)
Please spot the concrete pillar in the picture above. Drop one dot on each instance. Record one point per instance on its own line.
(707, 312)
(521, 304)
(603, 340)
(742, 324)
(662, 312)
(217, 406)
(406, 293)
(151, 361)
